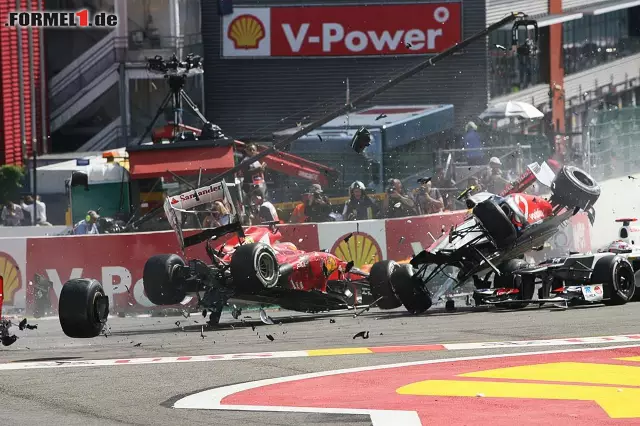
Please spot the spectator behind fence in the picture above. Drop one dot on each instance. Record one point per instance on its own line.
(253, 174)
(88, 225)
(397, 203)
(262, 211)
(443, 184)
(428, 199)
(12, 214)
(219, 216)
(494, 181)
(40, 208)
(475, 183)
(472, 142)
(359, 206)
(315, 207)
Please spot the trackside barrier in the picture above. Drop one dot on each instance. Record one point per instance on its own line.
(117, 260)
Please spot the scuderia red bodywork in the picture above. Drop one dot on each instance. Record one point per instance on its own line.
(533, 207)
(308, 272)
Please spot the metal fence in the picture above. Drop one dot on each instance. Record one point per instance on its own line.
(613, 139)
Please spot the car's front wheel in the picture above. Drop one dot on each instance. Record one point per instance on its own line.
(380, 282)
(254, 267)
(83, 308)
(616, 273)
(162, 281)
(415, 298)
(573, 187)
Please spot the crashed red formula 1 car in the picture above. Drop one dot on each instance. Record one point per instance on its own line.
(489, 246)
(251, 266)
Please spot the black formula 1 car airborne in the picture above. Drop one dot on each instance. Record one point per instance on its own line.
(489, 245)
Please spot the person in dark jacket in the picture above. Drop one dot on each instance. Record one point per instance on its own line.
(473, 143)
(397, 202)
(359, 206)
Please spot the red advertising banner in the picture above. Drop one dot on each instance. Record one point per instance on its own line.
(359, 30)
(117, 261)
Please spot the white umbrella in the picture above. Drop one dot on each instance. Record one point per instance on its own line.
(511, 109)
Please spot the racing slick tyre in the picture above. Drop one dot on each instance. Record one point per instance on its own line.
(380, 284)
(415, 298)
(573, 187)
(254, 267)
(525, 284)
(496, 223)
(616, 274)
(162, 284)
(83, 308)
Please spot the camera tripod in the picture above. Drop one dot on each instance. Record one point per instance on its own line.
(176, 96)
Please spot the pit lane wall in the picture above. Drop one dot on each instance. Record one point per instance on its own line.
(118, 260)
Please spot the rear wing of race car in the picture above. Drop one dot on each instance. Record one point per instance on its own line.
(187, 202)
(544, 173)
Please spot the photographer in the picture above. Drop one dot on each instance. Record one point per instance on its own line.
(428, 200)
(359, 206)
(397, 202)
(262, 211)
(315, 207)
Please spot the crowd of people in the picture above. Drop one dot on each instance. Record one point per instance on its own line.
(27, 212)
(433, 195)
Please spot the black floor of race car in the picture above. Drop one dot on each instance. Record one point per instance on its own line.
(142, 395)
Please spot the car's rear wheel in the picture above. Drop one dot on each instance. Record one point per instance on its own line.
(616, 273)
(525, 284)
(254, 267)
(162, 282)
(573, 187)
(380, 282)
(83, 308)
(496, 223)
(415, 298)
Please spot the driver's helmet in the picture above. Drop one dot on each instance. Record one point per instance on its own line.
(619, 247)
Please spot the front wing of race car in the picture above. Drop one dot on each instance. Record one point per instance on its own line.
(573, 280)
(565, 296)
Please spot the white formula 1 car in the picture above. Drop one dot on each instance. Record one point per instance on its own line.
(628, 245)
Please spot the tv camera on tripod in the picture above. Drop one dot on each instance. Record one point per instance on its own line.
(176, 73)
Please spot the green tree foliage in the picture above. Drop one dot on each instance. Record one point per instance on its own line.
(11, 178)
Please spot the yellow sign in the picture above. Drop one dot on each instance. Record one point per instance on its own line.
(359, 247)
(12, 279)
(619, 399)
(246, 32)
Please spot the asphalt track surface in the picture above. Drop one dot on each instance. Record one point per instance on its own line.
(144, 394)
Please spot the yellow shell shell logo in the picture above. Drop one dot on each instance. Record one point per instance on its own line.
(248, 240)
(11, 277)
(359, 247)
(246, 32)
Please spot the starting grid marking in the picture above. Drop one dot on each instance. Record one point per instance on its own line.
(630, 338)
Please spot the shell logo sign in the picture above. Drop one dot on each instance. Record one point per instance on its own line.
(11, 277)
(246, 32)
(359, 247)
(345, 30)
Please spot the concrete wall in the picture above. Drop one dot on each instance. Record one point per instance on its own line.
(30, 231)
